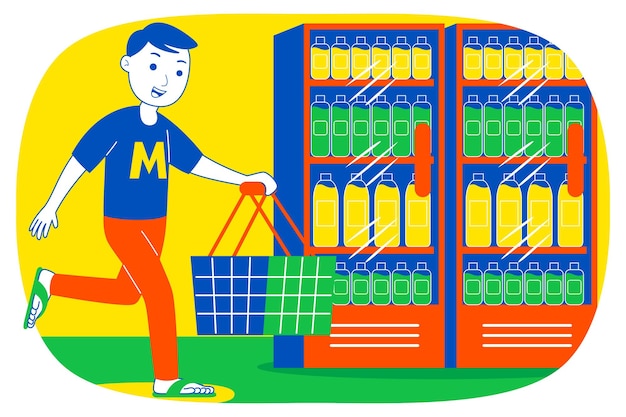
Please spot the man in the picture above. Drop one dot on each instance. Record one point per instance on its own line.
(138, 146)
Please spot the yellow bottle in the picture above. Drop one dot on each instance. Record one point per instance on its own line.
(571, 70)
(571, 219)
(360, 59)
(417, 212)
(325, 212)
(401, 58)
(493, 59)
(387, 212)
(320, 59)
(421, 60)
(513, 59)
(340, 59)
(554, 62)
(381, 59)
(478, 212)
(472, 59)
(356, 212)
(539, 209)
(508, 212)
(533, 59)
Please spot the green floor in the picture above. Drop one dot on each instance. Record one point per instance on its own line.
(244, 364)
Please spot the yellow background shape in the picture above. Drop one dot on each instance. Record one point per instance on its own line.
(227, 110)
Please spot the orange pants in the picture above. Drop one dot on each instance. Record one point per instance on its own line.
(138, 245)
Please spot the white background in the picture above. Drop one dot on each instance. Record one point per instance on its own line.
(33, 33)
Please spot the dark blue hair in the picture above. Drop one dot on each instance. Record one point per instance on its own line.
(162, 36)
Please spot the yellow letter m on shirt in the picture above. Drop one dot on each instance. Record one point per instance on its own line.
(140, 158)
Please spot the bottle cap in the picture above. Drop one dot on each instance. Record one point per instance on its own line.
(478, 176)
(493, 39)
(493, 97)
(341, 39)
(421, 98)
(381, 98)
(566, 176)
(341, 265)
(355, 176)
(387, 176)
(360, 265)
(400, 97)
(326, 176)
(533, 39)
(472, 39)
(493, 265)
(553, 97)
(360, 39)
(412, 176)
(540, 176)
(533, 265)
(574, 265)
(573, 97)
(360, 98)
(513, 265)
(508, 176)
(421, 265)
(320, 39)
(513, 39)
(533, 98)
(401, 265)
(381, 39)
(381, 265)
(514, 98)
(401, 39)
(472, 265)
(340, 97)
(421, 39)
(473, 98)
(320, 97)
(553, 265)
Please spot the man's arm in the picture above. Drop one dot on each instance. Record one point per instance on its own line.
(47, 216)
(207, 168)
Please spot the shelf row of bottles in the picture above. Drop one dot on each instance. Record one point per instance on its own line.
(507, 58)
(532, 286)
(362, 128)
(362, 226)
(382, 286)
(362, 59)
(509, 222)
(513, 128)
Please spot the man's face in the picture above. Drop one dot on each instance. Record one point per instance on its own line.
(157, 77)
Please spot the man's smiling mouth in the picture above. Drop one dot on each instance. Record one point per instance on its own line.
(156, 93)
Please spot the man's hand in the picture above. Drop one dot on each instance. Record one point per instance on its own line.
(266, 179)
(40, 225)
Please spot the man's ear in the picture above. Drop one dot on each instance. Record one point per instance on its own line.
(125, 63)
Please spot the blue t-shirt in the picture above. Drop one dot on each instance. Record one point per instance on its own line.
(137, 159)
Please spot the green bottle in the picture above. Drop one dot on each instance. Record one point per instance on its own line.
(381, 119)
(401, 285)
(341, 285)
(555, 137)
(533, 126)
(401, 126)
(533, 285)
(472, 285)
(361, 294)
(513, 278)
(381, 284)
(574, 113)
(574, 285)
(472, 127)
(493, 126)
(422, 114)
(422, 285)
(360, 134)
(340, 135)
(493, 285)
(320, 127)
(554, 285)
(513, 132)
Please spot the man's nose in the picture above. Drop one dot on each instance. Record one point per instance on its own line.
(164, 80)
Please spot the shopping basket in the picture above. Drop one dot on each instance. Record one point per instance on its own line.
(253, 295)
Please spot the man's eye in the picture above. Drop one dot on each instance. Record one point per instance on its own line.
(153, 67)
(179, 73)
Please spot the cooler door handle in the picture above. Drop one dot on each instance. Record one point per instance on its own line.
(575, 160)
(423, 159)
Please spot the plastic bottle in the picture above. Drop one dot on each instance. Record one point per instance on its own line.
(381, 133)
(361, 285)
(325, 212)
(320, 127)
(401, 285)
(341, 285)
(533, 285)
(360, 132)
(513, 59)
(340, 59)
(340, 133)
(513, 122)
(320, 59)
(554, 62)
(513, 279)
(555, 134)
(533, 59)
(472, 285)
(472, 127)
(381, 284)
(571, 70)
(554, 285)
(493, 127)
(574, 113)
(421, 59)
(574, 284)
(401, 127)
(478, 212)
(571, 220)
(417, 210)
(472, 59)
(387, 211)
(356, 212)
(381, 59)
(539, 209)
(360, 56)
(421, 114)
(401, 58)
(533, 126)
(493, 59)
(508, 212)
(422, 284)
(493, 285)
